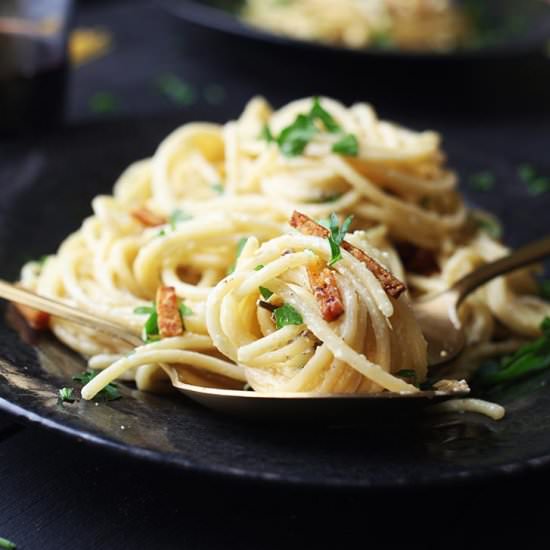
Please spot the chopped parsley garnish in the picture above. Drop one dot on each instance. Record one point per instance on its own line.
(348, 146)
(266, 293)
(317, 112)
(294, 138)
(7, 544)
(488, 224)
(108, 393)
(240, 246)
(258, 267)
(42, 260)
(287, 315)
(150, 328)
(178, 216)
(162, 233)
(545, 289)
(218, 188)
(65, 395)
(528, 359)
(408, 375)
(536, 184)
(103, 102)
(482, 181)
(266, 134)
(185, 311)
(173, 87)
(336, 236)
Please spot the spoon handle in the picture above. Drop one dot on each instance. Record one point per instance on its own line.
(13, 293)
(522, 257)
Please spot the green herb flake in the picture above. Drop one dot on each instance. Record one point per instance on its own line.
(536, 184)
(336, 236)
(317, 112)
(7, 544)
(103, 103)
(65, 395)
(408, 375)
(240, 246)
(161, 233)
(266, 134)
(265, 292)
(287, 315)
(258, 267)
(144, 310)
(185, 311)
(528, 359)
(108, 393)
(294, 138)
(217, 188)
(482, 181)
(177, 90)
(42, 260)
(348, 146)
(178, 216)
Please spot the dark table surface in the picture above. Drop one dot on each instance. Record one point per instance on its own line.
(60, 493)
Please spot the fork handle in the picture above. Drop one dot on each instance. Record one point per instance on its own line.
(19, 295)
(522, 257)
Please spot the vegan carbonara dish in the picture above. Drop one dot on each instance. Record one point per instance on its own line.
(281, 252)
(433, 25)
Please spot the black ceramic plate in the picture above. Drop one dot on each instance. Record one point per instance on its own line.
(503, 28)
(46, 191)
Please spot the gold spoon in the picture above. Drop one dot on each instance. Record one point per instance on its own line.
(438, 315)
(438, 318)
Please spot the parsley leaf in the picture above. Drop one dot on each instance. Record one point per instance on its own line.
(65, 395)
(176, 89)
(218, 188)
(144, 310)
(348, 146)
(185, 311)
(178, 216)
(294, 138)
(482, 181)
(408, 375)
(7, 544)
(336, 236)
(536, 184)
(317, 112)
(266, 134)
(240, 246)
(258, 267)
(528, 359)
(287, 315)
(266, 293)
(109, 392)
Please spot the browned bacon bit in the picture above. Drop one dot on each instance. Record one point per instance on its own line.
(392, 285)
(169, 318)
(146, 217)
(326, 291)
(36, 319)
(418, 260)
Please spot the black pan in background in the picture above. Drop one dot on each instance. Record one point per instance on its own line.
(506, 28)
(46, 193)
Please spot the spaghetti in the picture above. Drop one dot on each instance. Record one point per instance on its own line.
(194, 250)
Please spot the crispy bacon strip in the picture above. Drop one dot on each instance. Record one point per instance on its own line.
(393, 286)
(36, 319)
(146, 217)
(326, 291)
(169, 318)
